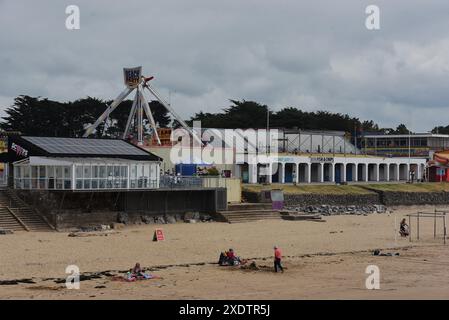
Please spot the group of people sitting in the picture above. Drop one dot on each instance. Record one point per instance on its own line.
(228, 258)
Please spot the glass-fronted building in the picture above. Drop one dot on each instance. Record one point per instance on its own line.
(45, 163)
(401, 145)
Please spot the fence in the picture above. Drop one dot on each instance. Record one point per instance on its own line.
(180, 182)
(232, 185)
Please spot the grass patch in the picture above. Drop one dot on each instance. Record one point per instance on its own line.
(309, 189)
(351, 189)
(408, 187)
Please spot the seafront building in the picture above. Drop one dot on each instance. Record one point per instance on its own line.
(297, 156)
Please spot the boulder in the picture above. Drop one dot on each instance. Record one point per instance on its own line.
(159, 220)
(170, 219)
(146, 219)
(123, 218)
(117, 226)
(192, 215)
(206, 217)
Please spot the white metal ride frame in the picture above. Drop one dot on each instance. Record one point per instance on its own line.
(140, 106)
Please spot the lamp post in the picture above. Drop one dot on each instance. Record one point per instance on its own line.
(268, 128)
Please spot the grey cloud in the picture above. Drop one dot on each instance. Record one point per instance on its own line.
(309, 54)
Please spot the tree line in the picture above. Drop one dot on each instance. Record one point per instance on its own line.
(44, 117)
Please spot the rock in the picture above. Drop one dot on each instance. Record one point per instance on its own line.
(159, 220)
(206, 217)
(117, 226)
(146, 219)
(170, 219)
(192, 215)
(327, 210)
(4, 231)
(123, 218)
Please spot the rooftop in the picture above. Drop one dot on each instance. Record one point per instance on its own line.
(83, 147)
(412, 135)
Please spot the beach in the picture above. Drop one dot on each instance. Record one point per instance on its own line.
(323, 260)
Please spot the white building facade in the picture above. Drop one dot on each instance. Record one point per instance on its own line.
(48, 163)
(332, 169)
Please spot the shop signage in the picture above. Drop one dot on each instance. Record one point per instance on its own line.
(322, 159)
(19, 150)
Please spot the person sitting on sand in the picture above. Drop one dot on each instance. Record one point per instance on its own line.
(232, 258)
(230, 254)
(404, 229)
(137, 271)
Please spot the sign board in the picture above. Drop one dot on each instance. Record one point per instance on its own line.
(19, 150)
(132, 76)
(158, 235)
(322, 159)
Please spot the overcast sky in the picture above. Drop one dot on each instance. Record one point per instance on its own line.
(307, 54)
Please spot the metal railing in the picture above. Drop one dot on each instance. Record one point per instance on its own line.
(180, 182)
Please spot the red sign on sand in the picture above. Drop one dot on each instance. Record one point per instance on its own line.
(158, 235)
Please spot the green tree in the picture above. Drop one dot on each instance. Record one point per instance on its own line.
(402, 129)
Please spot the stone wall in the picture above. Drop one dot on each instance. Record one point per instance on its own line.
(330, 199)
(78, 209)
(413, 198)
(387, 198)
(319, 199)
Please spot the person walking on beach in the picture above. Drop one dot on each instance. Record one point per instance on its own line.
(277, 260)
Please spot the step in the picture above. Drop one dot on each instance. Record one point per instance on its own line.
(236, 216)
(249, 206)
(253, 218)
(248, 211)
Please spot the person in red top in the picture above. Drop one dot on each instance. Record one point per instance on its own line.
(230, 254)
(277, 260)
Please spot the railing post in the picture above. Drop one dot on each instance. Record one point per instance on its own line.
(417, 228)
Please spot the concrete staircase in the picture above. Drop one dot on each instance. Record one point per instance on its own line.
(247, 212)
(9, 221)
(16, 215)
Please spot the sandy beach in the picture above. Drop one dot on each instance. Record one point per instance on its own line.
(323, 260)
